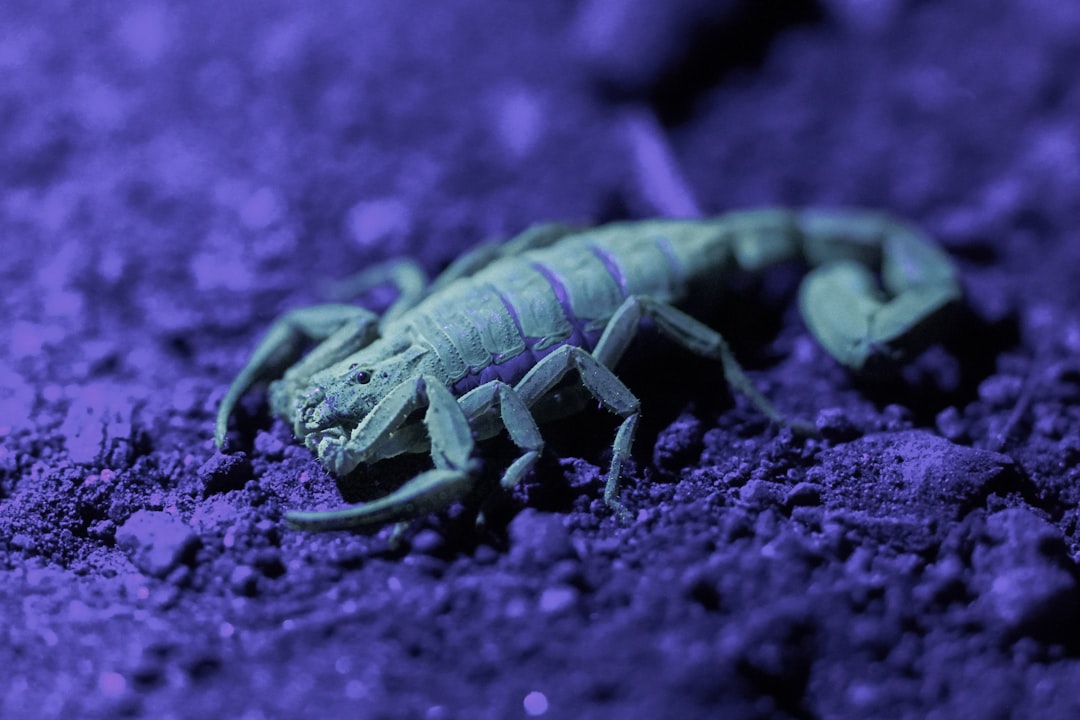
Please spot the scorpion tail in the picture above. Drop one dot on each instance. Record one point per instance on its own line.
(858, 321)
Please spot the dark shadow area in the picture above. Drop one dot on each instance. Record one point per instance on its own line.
(694, 46)
(714, 50)
(948, 373)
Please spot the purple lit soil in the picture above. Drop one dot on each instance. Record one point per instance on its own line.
(175, 175)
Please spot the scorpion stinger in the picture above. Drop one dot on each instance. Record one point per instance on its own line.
(841, 303)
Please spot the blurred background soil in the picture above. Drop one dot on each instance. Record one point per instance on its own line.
(175, 176)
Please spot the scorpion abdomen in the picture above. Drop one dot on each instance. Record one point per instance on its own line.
(500, 322)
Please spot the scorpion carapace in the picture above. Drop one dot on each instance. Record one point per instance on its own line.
(481, 350)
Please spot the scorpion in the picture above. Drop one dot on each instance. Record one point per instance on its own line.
(495, 341)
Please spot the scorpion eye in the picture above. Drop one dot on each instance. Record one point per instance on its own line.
(362, 377)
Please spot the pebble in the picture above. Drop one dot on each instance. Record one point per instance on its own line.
(1024, 577)
(222, 473)
(98, 425)
(156, 541)
(557, 599)
(540, 538)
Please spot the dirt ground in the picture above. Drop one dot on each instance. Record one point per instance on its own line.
(173, 176)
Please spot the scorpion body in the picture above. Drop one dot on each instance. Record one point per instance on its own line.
(486, 347)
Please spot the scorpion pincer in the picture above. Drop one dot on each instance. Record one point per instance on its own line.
(486, 347)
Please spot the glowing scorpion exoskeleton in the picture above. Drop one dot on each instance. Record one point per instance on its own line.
(484, 348)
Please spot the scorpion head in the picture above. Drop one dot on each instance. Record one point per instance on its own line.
(334, 401)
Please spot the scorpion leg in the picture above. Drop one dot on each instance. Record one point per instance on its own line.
(608, 389)
(405, 275)
(533, 238)
(515, 416)
(613, 394)
(451, 450)
(428, 492)
(693, 335)
(343, 328)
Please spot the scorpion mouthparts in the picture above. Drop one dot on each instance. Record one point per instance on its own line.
(313, 413)
(317, 429)
(316, 441)
(314, 396)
